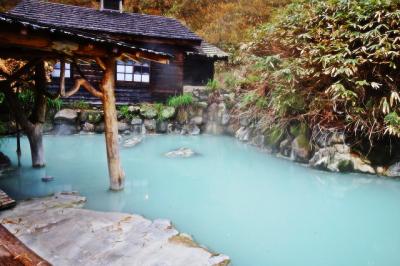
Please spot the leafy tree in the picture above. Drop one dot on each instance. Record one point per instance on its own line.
(333, 64)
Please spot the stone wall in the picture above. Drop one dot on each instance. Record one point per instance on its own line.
(215, 113)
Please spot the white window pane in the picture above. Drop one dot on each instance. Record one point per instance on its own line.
(67, 73)
(129, 69)
(137, 77)
(120, 76)
(67, 66)
(57, 65)
(146, 65)
(146, 78)
(120, 68)
(128, 77)
(129, 63)
(56, 73)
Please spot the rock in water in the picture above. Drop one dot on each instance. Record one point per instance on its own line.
(129, 143)
(393, 170)
(301, 150)
(180, 153)
(66, 116)
(47, 178)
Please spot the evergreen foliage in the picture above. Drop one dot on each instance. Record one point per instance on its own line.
(333, 64)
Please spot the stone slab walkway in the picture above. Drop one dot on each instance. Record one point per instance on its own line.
(60, 231)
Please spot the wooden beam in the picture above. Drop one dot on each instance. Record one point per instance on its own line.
(63, 46)
(116, 173)
(41, 43)
(14, 252)
(86, 85)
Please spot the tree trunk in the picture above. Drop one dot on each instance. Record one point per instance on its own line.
(34, 125)
(115, 171)
(35, 138)
(38, 117)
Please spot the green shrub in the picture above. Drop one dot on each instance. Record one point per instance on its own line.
(55, 104)
(230, 81)
(126, 113)
(248, 98)
(274, 136)
(338, 65)
(185, 99)
(212, 85)
(82, 105)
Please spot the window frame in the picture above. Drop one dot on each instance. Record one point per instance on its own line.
(134, 66)
(68, 67)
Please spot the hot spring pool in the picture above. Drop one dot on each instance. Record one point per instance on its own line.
(233, 198)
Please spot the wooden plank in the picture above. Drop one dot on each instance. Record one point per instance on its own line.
(14, 253)
(5, 201)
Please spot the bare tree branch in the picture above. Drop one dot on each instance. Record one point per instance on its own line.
(86, 85)
(100, 62)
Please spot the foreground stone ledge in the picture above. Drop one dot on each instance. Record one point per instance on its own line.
(59, 230)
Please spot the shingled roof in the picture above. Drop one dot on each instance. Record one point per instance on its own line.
(103, 21)
(208, 50)
(9, 20)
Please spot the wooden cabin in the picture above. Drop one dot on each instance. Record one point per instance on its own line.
(191, 58)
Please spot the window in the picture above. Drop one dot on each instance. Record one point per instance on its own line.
(133, 71)
(57, 70)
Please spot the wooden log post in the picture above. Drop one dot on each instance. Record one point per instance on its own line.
(115, 170)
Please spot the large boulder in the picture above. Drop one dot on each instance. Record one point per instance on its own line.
(300, 149)
(66, 116)
(136, 121)
(338, 158)
(285, 147)
(258, 139)
(225, 119)
(132, 142)
(122, 127)
(88, 127)
(150, 124)
(335, 158)
(180, 153)
(194, 130)
(393, 170)
(212, 112)
(197, 120)
(362, 165)
(162, 127)
(65, 129)
(243, 134)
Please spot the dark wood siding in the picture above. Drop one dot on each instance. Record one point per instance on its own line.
(165, 80)
(126, 92)
(198, 70)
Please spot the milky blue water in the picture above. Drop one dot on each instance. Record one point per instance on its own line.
(233, 198)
